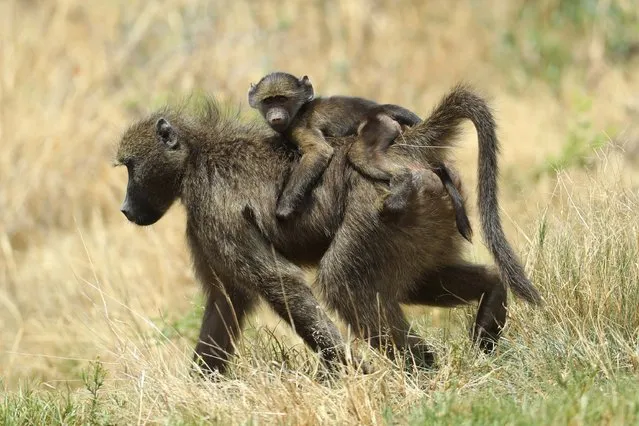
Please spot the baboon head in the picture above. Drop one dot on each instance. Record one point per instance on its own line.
(279, 96)
(155, 157)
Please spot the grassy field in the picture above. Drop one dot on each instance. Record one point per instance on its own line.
(98, 317)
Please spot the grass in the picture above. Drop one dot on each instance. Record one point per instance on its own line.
(98, 317)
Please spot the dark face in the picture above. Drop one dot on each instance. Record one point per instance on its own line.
(154, 159)
(278, 112)
(279, 97)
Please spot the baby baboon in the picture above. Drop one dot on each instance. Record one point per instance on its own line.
(365, 267)
(367, 155)
(290, 107)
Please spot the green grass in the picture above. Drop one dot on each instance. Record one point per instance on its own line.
(578, 400)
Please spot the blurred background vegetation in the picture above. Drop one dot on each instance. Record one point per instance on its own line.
(78, 282)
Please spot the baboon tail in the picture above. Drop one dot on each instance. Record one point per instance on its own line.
(462, 103)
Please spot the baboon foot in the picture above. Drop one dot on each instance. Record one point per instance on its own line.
(200, 369)
(420, 356)
(486, 340)
(335, 367)
(402, 187)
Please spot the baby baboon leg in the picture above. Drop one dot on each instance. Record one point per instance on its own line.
(221, 325)
(316, 154)
(365, 162)
(452, 183)
(461, 284)
(402, 190)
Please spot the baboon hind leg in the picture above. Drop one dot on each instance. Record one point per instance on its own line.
(350, 289)
(461, 284)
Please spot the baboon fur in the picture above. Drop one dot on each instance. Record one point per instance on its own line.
(228, 176)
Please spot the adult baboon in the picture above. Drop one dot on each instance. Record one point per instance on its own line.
(224, 171)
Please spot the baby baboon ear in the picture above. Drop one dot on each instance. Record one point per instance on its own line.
(166, 133)
(305, 82)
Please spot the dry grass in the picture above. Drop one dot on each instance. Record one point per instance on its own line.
(77, 282)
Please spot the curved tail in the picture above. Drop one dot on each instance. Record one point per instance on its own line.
(459, 104)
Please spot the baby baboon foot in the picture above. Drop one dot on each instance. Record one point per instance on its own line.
(402, 187)
(285, 209)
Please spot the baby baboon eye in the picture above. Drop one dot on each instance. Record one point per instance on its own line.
(275, 100)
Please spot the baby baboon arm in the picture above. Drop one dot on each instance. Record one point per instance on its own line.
(316, 154)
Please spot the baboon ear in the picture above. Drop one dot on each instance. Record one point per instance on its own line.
(305, 82)
(251, 96)
(361, 126)
(166, 133)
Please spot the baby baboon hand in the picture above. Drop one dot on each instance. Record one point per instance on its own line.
(402, 187)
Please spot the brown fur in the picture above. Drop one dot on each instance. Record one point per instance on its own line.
(227, 174)
(290, 107)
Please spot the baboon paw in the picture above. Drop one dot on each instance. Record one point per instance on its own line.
(394, 205)
(421, 357)
(361, 365)
(486, 341)
(205, 372)
(284, 211)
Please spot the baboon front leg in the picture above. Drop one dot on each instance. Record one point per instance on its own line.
(461, 284)
(289, 296)
(316, 154)
(224, 315)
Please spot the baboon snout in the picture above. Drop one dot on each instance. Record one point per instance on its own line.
(126, 209)
(277, 119)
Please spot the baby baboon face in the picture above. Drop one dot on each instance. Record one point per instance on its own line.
(276, 112)
(279, 96)
(155, 160)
